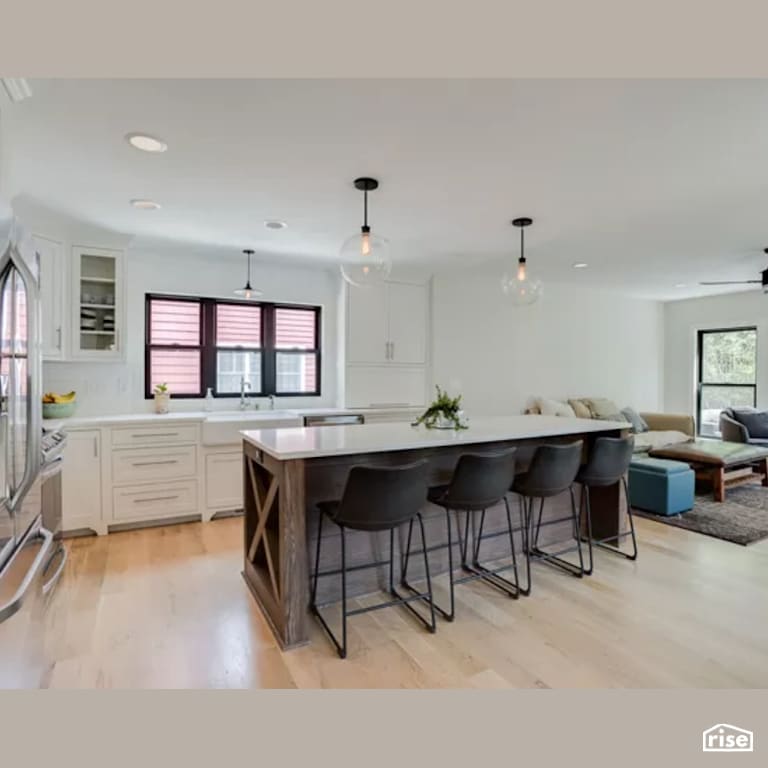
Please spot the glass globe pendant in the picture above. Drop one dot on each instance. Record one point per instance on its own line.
(365, 256)
(247, 291)
(521, 287)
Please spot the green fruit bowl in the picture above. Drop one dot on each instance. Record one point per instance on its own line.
(58, 410)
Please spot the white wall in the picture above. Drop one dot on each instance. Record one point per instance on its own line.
(111, 388)
(573, 342)
(682, 320)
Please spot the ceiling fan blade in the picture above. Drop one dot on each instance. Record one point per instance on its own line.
(733, 282)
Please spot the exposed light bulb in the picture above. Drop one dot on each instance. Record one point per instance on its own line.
(365, 244)
(521, 271)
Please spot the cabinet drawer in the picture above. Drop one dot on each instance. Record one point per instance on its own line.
(160, 500)
(124, 437)
(146, 464)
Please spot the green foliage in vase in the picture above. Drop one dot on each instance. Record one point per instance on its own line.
(161, 389)
(443, 407)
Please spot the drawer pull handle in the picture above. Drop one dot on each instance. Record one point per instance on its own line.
(157, 434)
(156, 498)
(153, 463)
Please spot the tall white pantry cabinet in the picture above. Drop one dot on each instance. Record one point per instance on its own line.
(387, 345)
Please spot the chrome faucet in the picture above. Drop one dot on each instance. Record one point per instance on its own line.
(243, 386)
(271, 402)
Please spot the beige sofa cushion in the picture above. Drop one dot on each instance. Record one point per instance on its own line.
(601, 407)
(580, 408)
(548, 407)
(648, 441)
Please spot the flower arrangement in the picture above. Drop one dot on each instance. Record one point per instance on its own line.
(444, 413)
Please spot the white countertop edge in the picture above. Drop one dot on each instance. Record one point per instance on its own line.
(83, 422)
(316, 442)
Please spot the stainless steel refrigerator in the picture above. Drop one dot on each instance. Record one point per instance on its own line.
(25, 545)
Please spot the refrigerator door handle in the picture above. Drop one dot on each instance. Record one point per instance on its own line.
(14, 604)
(34, 387)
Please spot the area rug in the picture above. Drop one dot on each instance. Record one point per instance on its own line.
(742, 518)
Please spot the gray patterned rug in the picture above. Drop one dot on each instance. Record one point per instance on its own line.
(742, 518)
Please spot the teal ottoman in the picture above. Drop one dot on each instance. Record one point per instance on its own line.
(661, 486)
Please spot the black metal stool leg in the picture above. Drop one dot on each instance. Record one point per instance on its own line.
(553, 558)
(633, 556)
(433, 627)
(392, 561)
(585, 509)
(493, 576)
(343, 649)
(524, 526)
(631, 532)
(317, 558)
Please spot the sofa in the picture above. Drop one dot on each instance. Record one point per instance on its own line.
(662, 428)
(741, 425)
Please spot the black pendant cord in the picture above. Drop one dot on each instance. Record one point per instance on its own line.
(522, 245)
(366, 228)
(248, 253)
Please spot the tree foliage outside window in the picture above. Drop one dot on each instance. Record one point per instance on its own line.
(729, 357)
(727, 374)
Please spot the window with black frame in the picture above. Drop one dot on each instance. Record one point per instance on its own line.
(193, 344)
(727, 374)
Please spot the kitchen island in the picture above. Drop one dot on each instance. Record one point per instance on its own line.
(287, 471)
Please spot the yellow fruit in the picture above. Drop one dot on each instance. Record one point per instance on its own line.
(51, 397)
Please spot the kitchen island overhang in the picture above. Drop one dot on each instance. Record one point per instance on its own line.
(287, 471)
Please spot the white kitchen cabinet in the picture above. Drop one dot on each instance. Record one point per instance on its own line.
(98, 305)
(81, 481)
(387, 324)
(407, 315)
(53, 296)
(367, 325)
(385, 386)
(224, 480)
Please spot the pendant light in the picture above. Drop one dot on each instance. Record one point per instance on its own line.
(247, 292)
(521, 287)
(365, 256)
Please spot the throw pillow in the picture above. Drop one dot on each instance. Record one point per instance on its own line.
(638, 423)
(554, 408)
(580, 409)
(601, 407)
(756, 422)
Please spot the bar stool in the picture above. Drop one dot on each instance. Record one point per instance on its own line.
(480, 481)
(608, 464)
(375, 499)
(552, 471)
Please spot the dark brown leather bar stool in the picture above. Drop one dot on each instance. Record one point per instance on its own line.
(479, 482)
(552, 471)
(607, 465)
(375, 499)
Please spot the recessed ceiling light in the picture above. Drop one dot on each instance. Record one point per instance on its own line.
(275, 224)
(580, 265)
(145, 205)
(146, 143)
(680, 285)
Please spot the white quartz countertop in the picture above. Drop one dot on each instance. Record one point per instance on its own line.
(314, 442)
(249, 414)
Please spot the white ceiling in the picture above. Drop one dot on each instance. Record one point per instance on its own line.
(652, 183)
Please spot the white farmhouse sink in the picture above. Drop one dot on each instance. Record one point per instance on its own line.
(224, 428)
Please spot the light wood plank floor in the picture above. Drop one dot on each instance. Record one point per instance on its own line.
(167, 608)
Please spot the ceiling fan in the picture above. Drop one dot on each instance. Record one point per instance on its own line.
(763, 281)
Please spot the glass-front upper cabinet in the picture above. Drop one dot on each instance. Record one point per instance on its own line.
(98, 305)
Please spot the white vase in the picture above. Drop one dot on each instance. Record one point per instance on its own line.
(162, 402)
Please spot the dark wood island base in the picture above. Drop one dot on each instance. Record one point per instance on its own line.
(280, 521)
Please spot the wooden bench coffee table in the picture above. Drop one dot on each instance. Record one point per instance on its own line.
(723, 464)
